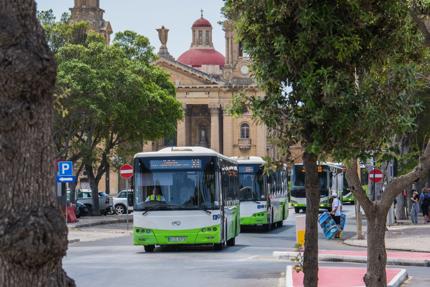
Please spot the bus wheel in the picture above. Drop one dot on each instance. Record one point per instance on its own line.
(296, 210)
(149, 248)
(218, 246)
(268, 226)
(231, 241)
(280, 224)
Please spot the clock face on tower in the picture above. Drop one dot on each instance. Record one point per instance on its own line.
(244, 70)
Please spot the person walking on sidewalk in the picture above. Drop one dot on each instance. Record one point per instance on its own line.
(425, 202)
(415, 207)
(336, 211)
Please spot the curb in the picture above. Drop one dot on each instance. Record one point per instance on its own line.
(397, 281)
(104, 222)
(392, 249)
(74, 241)
(287, 255)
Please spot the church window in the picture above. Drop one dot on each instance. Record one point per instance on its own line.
(200, 37)
(244, 131)
(207, 38)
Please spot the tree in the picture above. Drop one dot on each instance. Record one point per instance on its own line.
(340, 79)
(107, 97)
(112, 95)
(33, 235)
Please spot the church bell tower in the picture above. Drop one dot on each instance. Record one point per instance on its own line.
(90, 11)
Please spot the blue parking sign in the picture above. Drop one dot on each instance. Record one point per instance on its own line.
(65, 168)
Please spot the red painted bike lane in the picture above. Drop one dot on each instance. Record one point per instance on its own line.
(344, 277)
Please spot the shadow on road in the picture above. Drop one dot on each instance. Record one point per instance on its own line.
(194, 248)
(261, 229)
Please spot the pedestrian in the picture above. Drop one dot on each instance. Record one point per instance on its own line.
(425, 202)
(415, 207)
(336, 211)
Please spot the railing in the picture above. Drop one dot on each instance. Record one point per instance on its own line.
(244, 144)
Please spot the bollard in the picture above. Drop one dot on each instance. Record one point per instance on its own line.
(300, 229)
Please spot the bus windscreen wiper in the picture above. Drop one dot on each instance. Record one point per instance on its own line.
(150, 208)
(205, 209)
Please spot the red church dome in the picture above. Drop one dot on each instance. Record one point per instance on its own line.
(198, 57)
(201, 22)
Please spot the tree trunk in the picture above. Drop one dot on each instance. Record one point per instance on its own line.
(95, 210)
(33, 235)
(312, 187)
(376, 254)
(107, 178)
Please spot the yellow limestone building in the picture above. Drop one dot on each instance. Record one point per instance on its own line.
(206, 82)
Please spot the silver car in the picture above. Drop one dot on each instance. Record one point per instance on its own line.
(120, 202)
(85, 197)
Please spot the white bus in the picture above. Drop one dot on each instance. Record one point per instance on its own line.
(185, 195)
(263, 198)
(331, 177)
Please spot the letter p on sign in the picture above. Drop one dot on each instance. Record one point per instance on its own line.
(65, 168)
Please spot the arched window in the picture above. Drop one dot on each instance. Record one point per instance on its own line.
(244, 131)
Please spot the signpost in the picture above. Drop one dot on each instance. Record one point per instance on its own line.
(376, 175)
(126, 172)
(65, 175)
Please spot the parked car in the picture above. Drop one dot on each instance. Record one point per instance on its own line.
(85, 197)
(120, 202)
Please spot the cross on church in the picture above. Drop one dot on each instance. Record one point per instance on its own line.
(201, 11)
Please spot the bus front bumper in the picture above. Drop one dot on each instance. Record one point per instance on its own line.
(204, 235)
(255, 219)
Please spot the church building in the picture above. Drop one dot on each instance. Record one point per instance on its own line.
(206, 82)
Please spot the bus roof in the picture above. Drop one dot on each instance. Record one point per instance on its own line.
(330, 164)
(249, 160)
(183, 151)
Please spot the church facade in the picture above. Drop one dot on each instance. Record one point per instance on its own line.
(206, 82)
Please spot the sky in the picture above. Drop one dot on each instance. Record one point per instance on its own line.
(144, 16)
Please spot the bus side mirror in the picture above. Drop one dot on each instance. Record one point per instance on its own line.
(130, 199)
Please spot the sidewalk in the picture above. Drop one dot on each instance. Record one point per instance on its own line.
(88, 221)
(360, 256)
(402, 237)
(92, 228)
(343, 277)
(93, 234)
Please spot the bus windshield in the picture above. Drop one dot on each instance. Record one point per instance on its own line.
(251, 183)
(175, 183)
(298, 178)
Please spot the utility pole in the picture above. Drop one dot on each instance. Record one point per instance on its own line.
(358, 220)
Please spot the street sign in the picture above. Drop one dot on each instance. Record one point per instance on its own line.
(126, 171)
(65, 168)
(376, 175)
(66, 179)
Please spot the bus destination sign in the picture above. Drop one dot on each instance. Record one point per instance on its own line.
(176, 164)
(248, 168)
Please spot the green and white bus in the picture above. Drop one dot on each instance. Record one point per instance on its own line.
(185, 195)
(263, 198)
(331, 177)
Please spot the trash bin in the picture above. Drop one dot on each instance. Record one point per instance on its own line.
(300, 229)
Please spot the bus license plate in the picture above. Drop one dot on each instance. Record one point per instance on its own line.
(177, 239)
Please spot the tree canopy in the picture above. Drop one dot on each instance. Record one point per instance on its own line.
(107, 95)
(339, 76)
